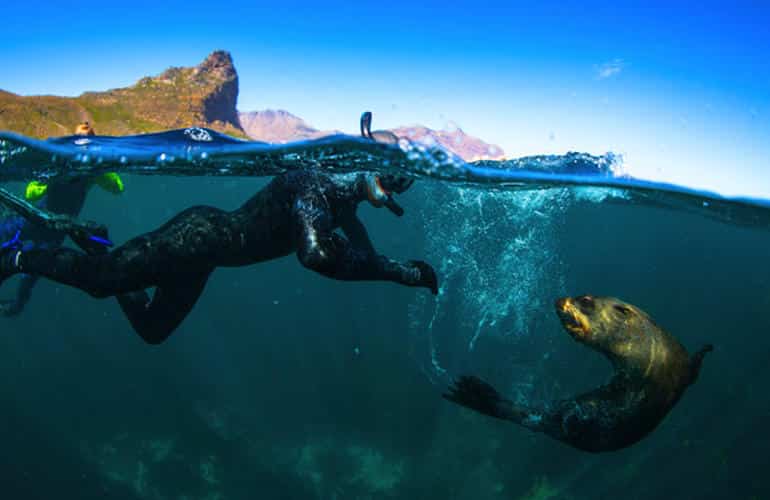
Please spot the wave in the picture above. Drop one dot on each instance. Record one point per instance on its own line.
(204, 152)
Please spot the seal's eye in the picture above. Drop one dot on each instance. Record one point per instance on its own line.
(625, 311)
(586, 301)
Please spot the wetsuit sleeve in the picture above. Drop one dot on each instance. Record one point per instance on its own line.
(356, 232)
(322, 250)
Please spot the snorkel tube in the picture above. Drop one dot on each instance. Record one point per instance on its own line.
(366, 125)
(378, 196)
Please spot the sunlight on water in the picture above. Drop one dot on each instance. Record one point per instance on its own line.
(499, 261)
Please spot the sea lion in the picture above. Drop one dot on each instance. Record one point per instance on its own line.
(652, 371)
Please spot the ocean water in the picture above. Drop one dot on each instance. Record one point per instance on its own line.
(284, 384)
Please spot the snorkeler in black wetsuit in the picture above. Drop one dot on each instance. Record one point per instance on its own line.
(296, 212)
(65, 198)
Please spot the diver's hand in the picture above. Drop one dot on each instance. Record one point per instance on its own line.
(422, 274)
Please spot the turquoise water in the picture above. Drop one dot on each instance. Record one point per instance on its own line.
(283, 384)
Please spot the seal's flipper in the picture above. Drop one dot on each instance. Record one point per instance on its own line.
(696, 360)
(474, 393)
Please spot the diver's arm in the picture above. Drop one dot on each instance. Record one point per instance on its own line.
(320, 249)
(356, 232)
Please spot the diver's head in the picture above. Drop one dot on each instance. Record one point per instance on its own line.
(395, 183)
(376, 193)
(379, 189)
(84, 128)
(605, 324)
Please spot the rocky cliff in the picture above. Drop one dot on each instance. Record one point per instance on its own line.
(203, 95)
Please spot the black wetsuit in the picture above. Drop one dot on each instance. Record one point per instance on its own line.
(65, 198)
(296, 212)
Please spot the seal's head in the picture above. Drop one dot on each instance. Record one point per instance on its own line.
(606, 324)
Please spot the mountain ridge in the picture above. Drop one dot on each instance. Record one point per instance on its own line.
(203, 95)
(280, 126)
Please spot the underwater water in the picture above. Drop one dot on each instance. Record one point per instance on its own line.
(284, 384)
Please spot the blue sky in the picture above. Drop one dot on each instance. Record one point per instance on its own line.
(683, 92)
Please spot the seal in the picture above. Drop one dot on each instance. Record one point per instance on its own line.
(652, 371)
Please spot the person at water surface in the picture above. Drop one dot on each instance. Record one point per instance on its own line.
(296, 212)
(62, 197)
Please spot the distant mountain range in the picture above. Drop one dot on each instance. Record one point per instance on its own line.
(281, 126)
(277, 125)
(203, 95)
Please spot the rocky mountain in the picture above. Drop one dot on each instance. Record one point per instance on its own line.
(281, 126)
(278, 126)
(465, 146)
(203, 95)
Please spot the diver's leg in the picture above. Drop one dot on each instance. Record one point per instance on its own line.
(98, 275)
(188, 243)
(154, 320)
(15, 306)
(333, 256)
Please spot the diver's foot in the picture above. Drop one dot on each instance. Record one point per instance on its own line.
(9, 308)
(92, 244)
(423, 275)
(10, 253)
(474, 393)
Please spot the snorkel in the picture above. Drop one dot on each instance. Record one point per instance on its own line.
(375, 192)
